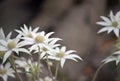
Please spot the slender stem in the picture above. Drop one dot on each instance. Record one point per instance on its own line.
(56, 71)
(49, 68)
(38, 65)
(12, 62)
(97, 71)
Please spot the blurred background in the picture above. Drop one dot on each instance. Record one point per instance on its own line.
(75, 22)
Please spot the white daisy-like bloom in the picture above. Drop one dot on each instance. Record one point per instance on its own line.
(112, 24)
(12, 45)
(28, 65)
(114, 57)
(2, 35)
(39, 39)
(61, 55)
(48, 47)
(6, 71)
(27, 32)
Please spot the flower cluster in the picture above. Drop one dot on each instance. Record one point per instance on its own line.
(31, 41)
(112, 24)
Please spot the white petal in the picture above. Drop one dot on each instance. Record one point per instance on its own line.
(8, 36)
(73, 56)
(116, 32)
(54, 58)
(12, 75)
(3, 42)
(3, 48)
(5, 77)
(117, 52)
(7, 54)
(103, 30)
(23, 43)
(110, 29)
(106, 19)
(36, 29)
(63, 49)
(104, 23)
(33, 47)
(23, 50)
(62, 62)
(109, 59)
(49, 34)
(69, 52)
(2, 35)
(112, 16)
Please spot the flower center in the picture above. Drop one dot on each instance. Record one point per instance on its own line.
(11, 45)
(39, 39)
(29, 35)
(60, 54)
(114, 23)
(3, 71)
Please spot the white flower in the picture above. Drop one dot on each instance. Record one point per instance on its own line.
(12, 45)
(114, 57)
(48, 47)
(28, 65)
(6, 71)
(112, 24)
(61, 55)
(39, 40)
(27, 32)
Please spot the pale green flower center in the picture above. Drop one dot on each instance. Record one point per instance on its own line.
(11, 45)
(115, 24)
(39, 39)
(60, 54)
(29, 35)
(3, 71)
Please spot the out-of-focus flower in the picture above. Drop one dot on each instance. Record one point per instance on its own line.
(6, 71)
(114, 57)
(47, 78)
(12, 45)
(61, 55)
(28, 65)
(27, 32)
(112, 24)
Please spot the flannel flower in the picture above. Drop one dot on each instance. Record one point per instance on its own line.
(112, 24)
(48, 48)
(114, 57)
(39, 40)
(12, 45)
(28, 65)
(6, 71)
(61, 55)
(27, 32)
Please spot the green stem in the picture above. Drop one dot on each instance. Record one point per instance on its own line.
(49, 68)
(56, 71)
(97, 71)
(38, 65)
(12, 62)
